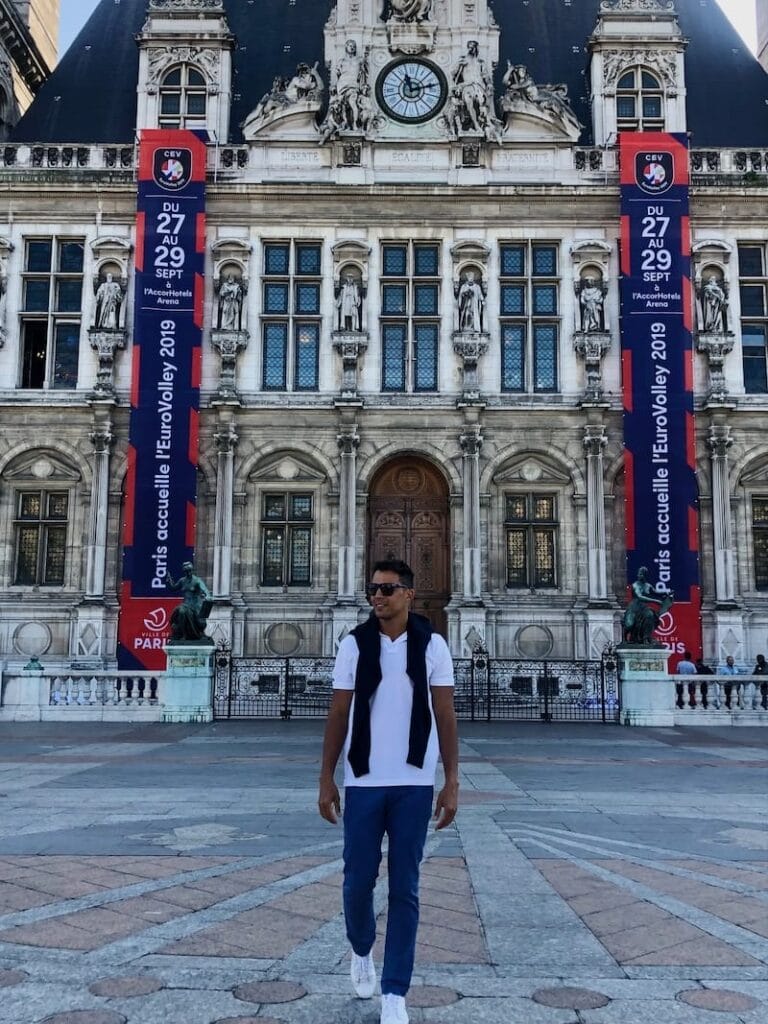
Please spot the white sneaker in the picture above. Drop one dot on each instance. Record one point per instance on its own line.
(393, 1010)
(363, 974)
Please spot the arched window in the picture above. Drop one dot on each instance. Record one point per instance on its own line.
(639, 102)
(183, 98)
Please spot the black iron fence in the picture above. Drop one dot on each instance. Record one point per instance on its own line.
(487, 689)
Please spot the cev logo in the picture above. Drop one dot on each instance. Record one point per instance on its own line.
(655, 174)
(157, 620)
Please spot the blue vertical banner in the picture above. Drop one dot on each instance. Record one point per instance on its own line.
(662, 517)
(161, 487)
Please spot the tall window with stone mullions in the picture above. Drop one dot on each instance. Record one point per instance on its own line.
(531, 528)
(410, 325)
(51, 312)
(291, 316)
(41, 537)
(287, 524)
(760, 541)
(754, 318)
(530, 322)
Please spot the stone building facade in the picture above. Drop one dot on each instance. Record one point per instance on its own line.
(28, 49)
(412, 315)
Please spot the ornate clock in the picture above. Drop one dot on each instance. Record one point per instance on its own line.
(411, 91)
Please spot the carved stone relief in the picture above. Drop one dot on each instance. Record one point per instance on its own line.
(161, 58)
(664, 62)
(300, 94)
(524, 102)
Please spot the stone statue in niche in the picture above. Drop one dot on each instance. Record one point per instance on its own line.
(231, 293)
(592, 304)
(109, 301)
(470, 294)
(407, 10)
(349, 304)
(473, 94)
(714, 303)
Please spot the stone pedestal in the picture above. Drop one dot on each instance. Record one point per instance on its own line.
(187, 687)
(25, 695)
(647, 692)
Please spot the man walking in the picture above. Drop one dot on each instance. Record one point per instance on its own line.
(392, 709)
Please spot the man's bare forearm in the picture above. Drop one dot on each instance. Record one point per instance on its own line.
(448, 736)
(333, 743)
(447, 732)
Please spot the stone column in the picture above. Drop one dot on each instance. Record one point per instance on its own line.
(226, 442)
(348, 444)
(471, 442)
(594, 446)
(101, 437)
(719, 442)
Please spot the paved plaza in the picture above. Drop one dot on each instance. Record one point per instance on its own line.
(181, 875)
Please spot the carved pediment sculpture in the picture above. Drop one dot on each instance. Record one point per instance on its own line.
(537, 108)
(406, 10)
(299, 98)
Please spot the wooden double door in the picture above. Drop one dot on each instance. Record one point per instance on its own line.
(409, 519)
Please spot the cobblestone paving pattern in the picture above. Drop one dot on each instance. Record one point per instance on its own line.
(595, 875)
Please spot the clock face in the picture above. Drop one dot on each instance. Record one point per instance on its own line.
(411, 91)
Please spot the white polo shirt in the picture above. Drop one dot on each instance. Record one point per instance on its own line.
(391, 711)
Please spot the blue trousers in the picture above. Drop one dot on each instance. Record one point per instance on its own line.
(403, 812)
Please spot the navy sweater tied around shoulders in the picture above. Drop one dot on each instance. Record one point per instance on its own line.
(367, 679)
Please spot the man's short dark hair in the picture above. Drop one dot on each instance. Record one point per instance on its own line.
(687, 655)
(402, 569)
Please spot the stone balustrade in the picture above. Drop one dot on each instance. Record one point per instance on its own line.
(708, 166)
(64, 158)
(115, 688)
(38, 695)
(721, 696)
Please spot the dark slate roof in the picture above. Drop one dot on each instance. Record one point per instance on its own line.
(91, 96)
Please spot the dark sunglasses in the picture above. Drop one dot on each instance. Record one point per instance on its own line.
(387, 589)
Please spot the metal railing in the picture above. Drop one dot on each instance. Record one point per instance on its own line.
(487, 689)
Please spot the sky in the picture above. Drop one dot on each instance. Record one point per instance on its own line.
(75, 13)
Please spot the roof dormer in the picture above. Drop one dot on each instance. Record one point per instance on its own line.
(185, 68)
